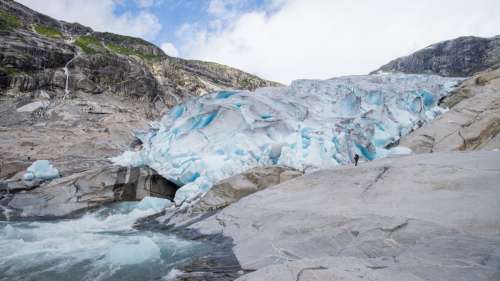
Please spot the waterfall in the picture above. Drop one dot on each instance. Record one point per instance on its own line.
(66, 73)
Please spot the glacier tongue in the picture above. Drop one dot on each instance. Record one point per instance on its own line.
(310, 124)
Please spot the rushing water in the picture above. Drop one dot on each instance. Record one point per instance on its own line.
(66, 74)
(98, 246)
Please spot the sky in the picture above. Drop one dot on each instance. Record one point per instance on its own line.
(283, 40)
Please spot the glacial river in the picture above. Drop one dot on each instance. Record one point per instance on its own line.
(98, 246)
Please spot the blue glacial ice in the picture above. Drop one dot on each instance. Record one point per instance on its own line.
(40, 170)
(309, 125)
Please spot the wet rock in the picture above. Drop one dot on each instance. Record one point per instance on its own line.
(83, 191)
(472, 123)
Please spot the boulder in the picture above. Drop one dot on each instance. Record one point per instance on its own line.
(83, 191)
(232, 189)
(419, 217)
(472, 123)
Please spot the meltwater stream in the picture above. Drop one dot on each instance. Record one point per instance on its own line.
(98, 246)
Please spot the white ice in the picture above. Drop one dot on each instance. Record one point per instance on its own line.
(309, 125)
(136, 251)
(40, 170)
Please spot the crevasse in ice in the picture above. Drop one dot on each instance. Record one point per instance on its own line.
(310, 124)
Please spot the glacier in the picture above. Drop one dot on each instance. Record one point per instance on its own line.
(308, 125)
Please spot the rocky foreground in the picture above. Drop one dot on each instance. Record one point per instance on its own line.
(422, 217)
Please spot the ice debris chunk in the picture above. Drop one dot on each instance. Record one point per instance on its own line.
(40, 170)
(309, 125)
(139, 251)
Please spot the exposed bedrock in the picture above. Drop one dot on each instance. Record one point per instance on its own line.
(460, 57)
(420, 217)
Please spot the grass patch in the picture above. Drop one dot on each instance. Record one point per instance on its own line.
(8, 21)
(93, 45)
(48, 31)
(89, 44)
(8, 70)
(129, 51)
(244, 83)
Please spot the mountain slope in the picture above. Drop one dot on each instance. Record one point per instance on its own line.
(461, 57)
(35, 48)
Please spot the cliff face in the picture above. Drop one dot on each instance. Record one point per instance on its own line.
(74, 96)
(461, 57)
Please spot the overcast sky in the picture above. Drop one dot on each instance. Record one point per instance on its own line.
(283, 40)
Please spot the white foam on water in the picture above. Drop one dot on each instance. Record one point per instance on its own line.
(98, 246)
(133, 252)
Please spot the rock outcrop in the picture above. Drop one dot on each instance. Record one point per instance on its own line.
(472, 123)
(74, 96)
(461, 57)
(420, 217)
(230, 190)
(82, 191)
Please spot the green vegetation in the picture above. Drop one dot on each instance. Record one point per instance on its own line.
(48, 31)
(8, 21)
(8, 70)
(89, 44)
(129, 52)
(93, 45)
(118, 38)
(245, 83)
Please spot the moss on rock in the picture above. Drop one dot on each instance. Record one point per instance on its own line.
(48, 31)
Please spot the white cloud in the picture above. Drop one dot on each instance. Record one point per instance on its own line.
(99, 14)
(326, 38)
(169, 49)
(147, 3)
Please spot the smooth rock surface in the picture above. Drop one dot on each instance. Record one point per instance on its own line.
(473, 122)
(420, 217)
(82, 191)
